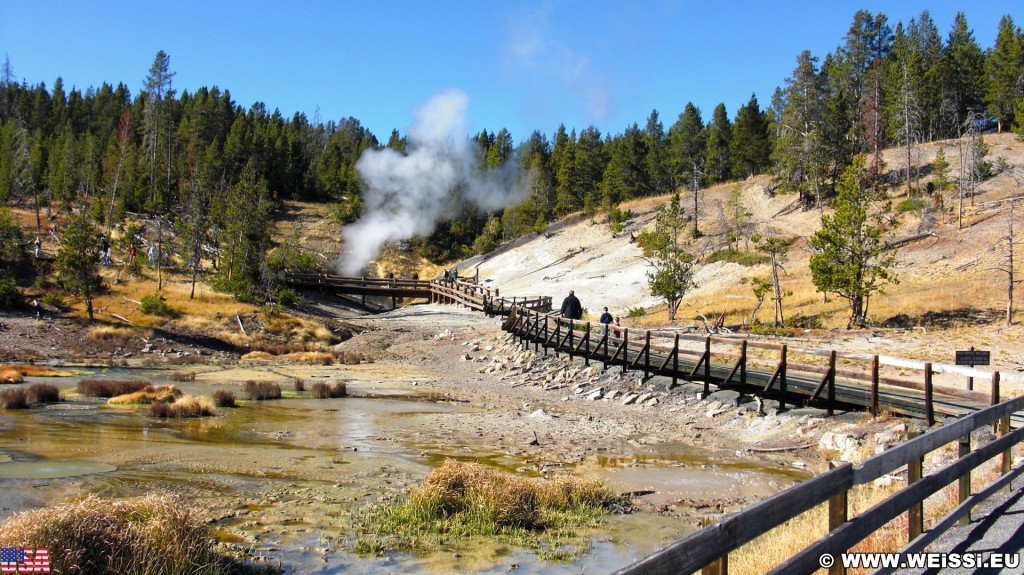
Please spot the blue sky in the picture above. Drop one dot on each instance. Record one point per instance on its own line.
(524, 65)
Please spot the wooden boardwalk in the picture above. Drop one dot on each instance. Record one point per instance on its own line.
(789, 374)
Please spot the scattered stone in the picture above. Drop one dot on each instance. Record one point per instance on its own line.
(540, 414)
(629, 399)
(596, 394)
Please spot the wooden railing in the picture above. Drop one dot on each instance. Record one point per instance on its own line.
(464, 292)
(781, 371)
(709, 548)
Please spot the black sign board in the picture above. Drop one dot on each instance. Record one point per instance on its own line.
(972, 357)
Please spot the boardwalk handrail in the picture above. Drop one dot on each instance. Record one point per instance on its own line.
(738, 362)
(713, 543)
(464, 292)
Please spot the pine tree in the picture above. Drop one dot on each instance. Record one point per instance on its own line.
(798, 153)
(750, 150)
(717, 161)
(1004, 68)
(962, 71)
(76, 260)
(852, 258)
(672, 267)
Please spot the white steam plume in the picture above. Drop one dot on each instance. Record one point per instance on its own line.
(406, 195)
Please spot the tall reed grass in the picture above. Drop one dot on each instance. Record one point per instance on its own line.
(462, 500)
(151, 535)
(111, 387)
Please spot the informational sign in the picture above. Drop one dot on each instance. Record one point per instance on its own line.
(973, 357)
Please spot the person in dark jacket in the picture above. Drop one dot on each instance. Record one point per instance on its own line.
(606, 318)
(571, 307)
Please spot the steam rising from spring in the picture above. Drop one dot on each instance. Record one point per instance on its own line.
(406, 195)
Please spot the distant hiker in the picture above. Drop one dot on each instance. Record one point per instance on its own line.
(131, 255)
(37, 247)
(455, 275)
(606, 318)
(35, 306)
(615, 331)
(571, 307)
(105, 252)
(391, 279)
(447, 276)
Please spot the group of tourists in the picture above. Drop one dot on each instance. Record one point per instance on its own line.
(573, 309)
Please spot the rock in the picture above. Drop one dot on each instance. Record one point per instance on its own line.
(596, 394)
(799, 464)
(613, 394)
(540, 414)
(651, 401)
(629, 399)
(643, 397)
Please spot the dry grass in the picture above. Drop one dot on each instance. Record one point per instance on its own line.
(184, 376)
(14, 398)
(10, 375)
(155, 534)
(772, 548)
(187, 407)
(224, 398)
(43, 393)
(461, 500)
(162, 393)
(299, 384)
(321, 390)
(260, 390)
(111, 387)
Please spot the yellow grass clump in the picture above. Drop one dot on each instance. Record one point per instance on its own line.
(10, 375)
(165, 393)
(461, 500)
(151, 534)
(186, 407)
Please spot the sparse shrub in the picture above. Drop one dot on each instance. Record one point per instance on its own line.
(186, 407)
(184, 376)
(14, 398)
(321, 390)
(10, 296)
(636, 312)
(43, 393)
(350, 357)
(151, 534)
(299, 384)
(735, 256)
(53, 299)
(911, 205)
(224, 398)
(111, 387)
(155, 304)
(260, 390)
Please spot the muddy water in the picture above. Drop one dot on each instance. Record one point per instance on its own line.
(287, 477)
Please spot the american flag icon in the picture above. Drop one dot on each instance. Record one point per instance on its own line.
(16, 560)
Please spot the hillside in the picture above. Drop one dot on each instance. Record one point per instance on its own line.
(947, 280)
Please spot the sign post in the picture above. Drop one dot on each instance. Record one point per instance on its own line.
(971, 358)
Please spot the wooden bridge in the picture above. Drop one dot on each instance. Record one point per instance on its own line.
(464, 292)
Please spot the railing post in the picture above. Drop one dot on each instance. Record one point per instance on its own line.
(743, 364)
(782, 378)
(625, 350)
(719, 566)
(874, 386)
(915, 515)
(838, 514)
(831, 383)
(572, 330)
(995, 396)
(929, 409)
(707, 366)
(546, 335)
(965, 479)
(675, 361)
(586, 347)
(647, 355)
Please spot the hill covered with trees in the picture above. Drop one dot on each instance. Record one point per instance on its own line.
(216, 174)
